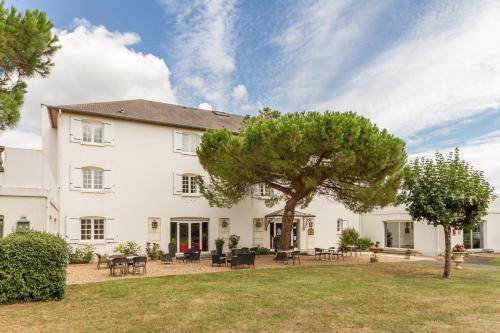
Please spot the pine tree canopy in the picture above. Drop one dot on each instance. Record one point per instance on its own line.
(300, 155)
(26, 47)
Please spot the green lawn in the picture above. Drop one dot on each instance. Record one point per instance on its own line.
(359, 298)
(495, 262)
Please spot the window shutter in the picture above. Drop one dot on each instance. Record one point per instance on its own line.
(108, 181)
(111, 230)
(177, 141)
(75, 178)
(254, 191)
(109, 137)
(195, 142)
(75, 132)
(177, 183)
(73, 230)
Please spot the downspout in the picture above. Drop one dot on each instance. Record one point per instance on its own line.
(58, 174)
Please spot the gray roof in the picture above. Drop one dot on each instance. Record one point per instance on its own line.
(297, 213)
(155, 112)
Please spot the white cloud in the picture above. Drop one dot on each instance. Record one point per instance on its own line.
(20, 139)
(205, 106)
(94, 64)
(240, 93)
(447, 67)
(320, 38)
(204, 48)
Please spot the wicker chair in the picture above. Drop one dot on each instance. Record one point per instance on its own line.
(294, 256)
(118, 264)
(101, 261)
(139, 263)
(167, 258)
(195, 255)
(318, 253)
(218, 259)
(242, 259)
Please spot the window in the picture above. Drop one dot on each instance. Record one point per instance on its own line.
(262, 190)
(92, 178)
(92, 228)
(340, 225)
(92, 132)
(189, 185)
(190, 143)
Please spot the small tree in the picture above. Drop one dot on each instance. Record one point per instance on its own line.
(26, 47)
(301, 155)
(448, 193)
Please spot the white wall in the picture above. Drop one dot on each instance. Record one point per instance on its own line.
(14, 207)
(143, 162)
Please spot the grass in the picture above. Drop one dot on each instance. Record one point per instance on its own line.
(362, 298)
(495, 262)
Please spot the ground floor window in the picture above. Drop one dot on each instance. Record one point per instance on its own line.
(473, 238)
(189, 234)
(399, 235)
(92, 228)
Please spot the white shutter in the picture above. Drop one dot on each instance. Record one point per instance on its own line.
(75, 178)
(195, 142)
(109, 135)
(73, 230)
(108, 181)
(75, 132)
(177, 141)
(177, 181)
(111, 230)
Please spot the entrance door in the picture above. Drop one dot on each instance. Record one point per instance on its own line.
(275, 229)
(473, 238)
(189, 235)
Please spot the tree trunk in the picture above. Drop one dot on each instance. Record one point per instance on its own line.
(287, 224)
(447, 251)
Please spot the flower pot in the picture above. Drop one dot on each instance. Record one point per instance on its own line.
(458, 258)
(219, 248)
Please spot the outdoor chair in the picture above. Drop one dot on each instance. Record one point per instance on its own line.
(242, 259)
(118, 265)
(334, 253)
(101, 261)
(195, 256)
(167, 258)
(218, 259)
(254, 249)
(281, 256)
(139, 263)
(318, 253)
(244, 250)
(294, 256)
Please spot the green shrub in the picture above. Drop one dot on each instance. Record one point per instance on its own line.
(80, 254)
(233, 241)
(348, 237)
(262, 251)
(32, 267)
(129, 247)
(364, 244)
(153, 250)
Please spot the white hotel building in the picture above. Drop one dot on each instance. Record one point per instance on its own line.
(117, 171)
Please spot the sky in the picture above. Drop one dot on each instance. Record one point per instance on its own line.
(428, 71)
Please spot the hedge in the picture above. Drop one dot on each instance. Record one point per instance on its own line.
(32, 267)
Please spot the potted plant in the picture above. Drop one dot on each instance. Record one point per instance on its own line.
(458, 255)
(153, 250)
(233, 241)
(219, 244)
(172, 247)
(374, 250)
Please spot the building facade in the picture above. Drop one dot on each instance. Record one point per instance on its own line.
(118, 171)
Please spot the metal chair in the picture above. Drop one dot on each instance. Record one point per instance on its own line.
(118, 264)
(139, 263)
(101, 261)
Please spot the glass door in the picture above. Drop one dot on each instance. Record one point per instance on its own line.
(275, 229)
(189, 235)
(473, 238)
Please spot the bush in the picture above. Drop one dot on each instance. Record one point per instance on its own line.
(348, 237)
(127, 248)
(364, 243)
(32, 267)
(80, 254)
(262, 251)
(153, 250)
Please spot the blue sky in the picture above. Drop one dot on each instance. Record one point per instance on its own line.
(429, 71)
